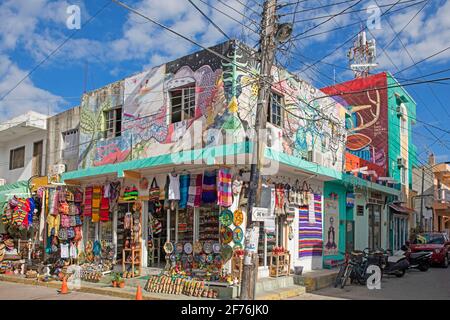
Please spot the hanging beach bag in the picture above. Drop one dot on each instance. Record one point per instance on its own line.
(154, 192)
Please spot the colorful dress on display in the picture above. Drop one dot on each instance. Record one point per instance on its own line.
(174, 187)
(184, 190)
(224, 192)
(209, 189)
(195, 191)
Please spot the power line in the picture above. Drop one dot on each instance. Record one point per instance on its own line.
(209, 19)
(423, 60)
(344, 43)
(228, 16)
(359, 10)
(53, 52)
(335, 15)
(315, 8)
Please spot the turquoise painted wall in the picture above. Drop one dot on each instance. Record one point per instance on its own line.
(394, 127)
(341, 191)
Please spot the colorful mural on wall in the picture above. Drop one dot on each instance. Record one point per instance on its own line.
(93, 149)
(312, 124)
(225, 107)
(368, 124)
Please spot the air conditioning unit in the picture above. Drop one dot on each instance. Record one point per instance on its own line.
(401, 163)
(318, 158)
(2, 182)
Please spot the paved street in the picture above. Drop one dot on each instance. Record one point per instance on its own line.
(15, 291)
(431, 285)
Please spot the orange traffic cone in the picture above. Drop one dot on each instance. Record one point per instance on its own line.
(139, 293)
(64, 288)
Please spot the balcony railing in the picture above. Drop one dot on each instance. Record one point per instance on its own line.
(443, 195)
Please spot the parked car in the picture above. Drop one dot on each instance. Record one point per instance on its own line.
(436, 242)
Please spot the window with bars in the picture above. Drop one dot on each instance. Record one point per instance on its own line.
(113, 123)
(275, 112)
(70, 144)
(17, 158)
(182, 102)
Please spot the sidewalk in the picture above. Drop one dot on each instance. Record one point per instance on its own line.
(129, 292)
(316, 279)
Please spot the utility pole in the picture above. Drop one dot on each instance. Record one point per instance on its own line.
(421, 200)
(267, 56)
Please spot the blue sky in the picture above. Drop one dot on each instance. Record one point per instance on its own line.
(117, 43)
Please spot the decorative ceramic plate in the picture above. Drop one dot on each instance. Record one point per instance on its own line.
(207, 247)
(203, 258)
(188, 248)
(237, 246)
(226, 235)
(216, 247)
(190, 258)
(226, 253)
(179, 247)
(238, 217)
(210, 258)
(173, 258)
(226, 217)
(198, 247)
(168, 247)
(184, 258)
(218, 258)
(238, 235)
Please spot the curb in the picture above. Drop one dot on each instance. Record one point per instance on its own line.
(282, 294)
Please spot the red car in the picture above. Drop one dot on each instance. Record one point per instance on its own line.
(436, 242)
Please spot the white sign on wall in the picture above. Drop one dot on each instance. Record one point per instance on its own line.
(261, 214)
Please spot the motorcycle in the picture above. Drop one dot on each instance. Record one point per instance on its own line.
(393, 264)
(417, 260)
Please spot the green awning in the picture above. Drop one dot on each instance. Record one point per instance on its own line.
(19, 189)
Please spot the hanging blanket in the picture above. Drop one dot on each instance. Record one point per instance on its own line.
(224, 192)
(310, 231)
(195, 191)
(184, 190)
(96, 198)
(88, 202)
(209, 188)
(104, 207)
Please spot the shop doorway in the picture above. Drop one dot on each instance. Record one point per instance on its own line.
(374, 226)
(400, 231)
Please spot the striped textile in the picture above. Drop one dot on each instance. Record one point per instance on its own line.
(96, 198)
(88, 202)
(310, 234)
(224, 192)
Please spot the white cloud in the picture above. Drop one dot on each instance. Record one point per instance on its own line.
(26, 96)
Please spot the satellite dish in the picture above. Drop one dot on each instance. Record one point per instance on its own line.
(284, 32)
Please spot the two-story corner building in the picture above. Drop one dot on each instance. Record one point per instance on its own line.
(22, 154)
(182, 131)
(379, 148)
(441, 205)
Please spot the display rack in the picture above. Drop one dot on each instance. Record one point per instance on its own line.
(237, 267)
(135, 260)
(209, 224)
(280, 264)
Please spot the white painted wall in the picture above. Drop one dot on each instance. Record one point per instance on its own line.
(24, 173)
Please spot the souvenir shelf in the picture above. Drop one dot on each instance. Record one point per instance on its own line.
(135, 260)
(185, 225)
(280, 264)
(209, 224)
